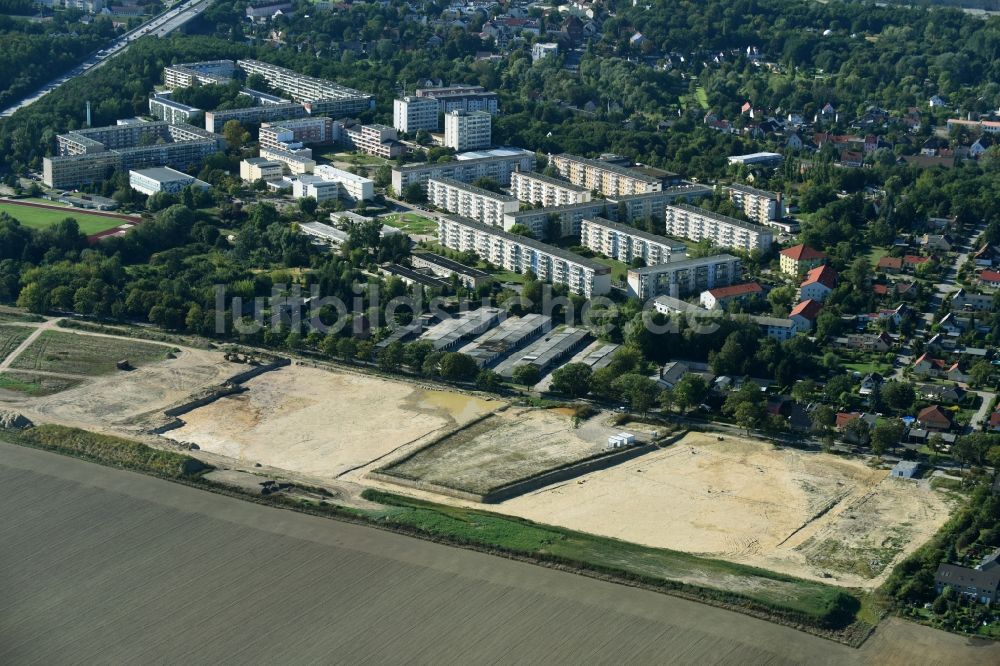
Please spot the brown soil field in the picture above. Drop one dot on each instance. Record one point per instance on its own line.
(503, 448)
(325, 423)
(811, 515)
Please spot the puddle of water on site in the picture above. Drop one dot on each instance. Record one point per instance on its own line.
(459, 407)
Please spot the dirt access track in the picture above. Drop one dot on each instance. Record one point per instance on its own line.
(811, 515)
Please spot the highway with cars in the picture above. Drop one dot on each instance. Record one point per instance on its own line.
(158, 26)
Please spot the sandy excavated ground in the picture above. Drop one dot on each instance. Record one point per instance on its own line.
(506, 447)
(810, 515)
(124, 398)
(324, 423)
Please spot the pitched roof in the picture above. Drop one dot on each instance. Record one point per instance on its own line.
(936, 362)
(824, 275)
(890, 262)
(802, 252)
(808, 309)
(964, 577)
(989, 276)
(880, 289)
(736, 290)
(915, 259)
(933, 414)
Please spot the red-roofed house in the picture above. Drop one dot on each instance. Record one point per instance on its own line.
(889, 264)
(989, 279)
(880, 289)
(911, 261)
(719, 297)
(804, 315)
(818, 284)
(927, 366)
(799, 259)
(995, 421)
(934, 418)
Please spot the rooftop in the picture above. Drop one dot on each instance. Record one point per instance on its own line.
(472, 189)
(802, 252)
(675, 246)
(690, 262)
(718, 217)
(608, 166)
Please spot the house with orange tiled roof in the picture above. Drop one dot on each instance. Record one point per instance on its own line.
(889, 264)
(929, 366)
(989, 279)
(818, 284)
(934, 418)
(721, 296)
(799, 259)
(804, 314)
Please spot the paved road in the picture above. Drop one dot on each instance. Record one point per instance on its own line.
(159, 26)
(102, 565)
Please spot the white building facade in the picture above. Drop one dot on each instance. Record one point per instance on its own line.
(686, 221)
(465, 130)
(468, 201)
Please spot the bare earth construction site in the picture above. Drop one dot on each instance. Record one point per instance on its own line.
(811, 515)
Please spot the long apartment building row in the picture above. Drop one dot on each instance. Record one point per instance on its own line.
(304, 88)
(520, 254)
(497, 167)
(759, 205)
(185, 75)
(686, 221)
(461, 98)
(163, 107)
(469, 201)
(542, 190)
(89, 155)
(625, 243)
(684, 277)
(293, 134)
(603, 177)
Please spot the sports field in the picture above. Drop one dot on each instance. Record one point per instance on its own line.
(412, 223)
(40, 218)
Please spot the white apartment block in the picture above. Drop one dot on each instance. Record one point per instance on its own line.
(685, 221)
(293, 134)
(185, 75)
(304, 88)
(378, 140)
(462, 98)
(520, 254)
(411, 114)
(253, 169)
(560, 220)
(603, 177)
(542, 190)
(625, 243)
(653, 205)
(315, 187)
(298, 162)
(164, 108)
(352, 186)
(542, 50)
(465, 200)
(759, 205)
(684, 277)
(468, 130)
(497, 167)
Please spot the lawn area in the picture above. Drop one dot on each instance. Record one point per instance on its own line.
(702, 97)
(11, 337)
(618, 268)
(412, 223)
(34, 385)
(40, 218)
(56, 351)
(876, 253)
(11, 314)
(357, 159)
(883, 369)
(812, 602)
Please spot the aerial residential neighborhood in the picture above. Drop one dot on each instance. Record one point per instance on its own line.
(304, 303)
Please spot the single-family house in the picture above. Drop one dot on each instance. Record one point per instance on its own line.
(934, 418)
(995, 421)
(989, 278)
(889, 264)
(936, 242)
(870, 383)
(818, 284)
(980, 583)
(927, 366)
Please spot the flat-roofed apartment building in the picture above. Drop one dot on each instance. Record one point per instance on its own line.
(298, 162)
(520, 254)
(352, 186)
(684, 277)
(685, 221)
(468, 130)
(462, 98)
(254, 115)
(411, 114)
(626, 243)
(379, 140)
(309, 89)
(542, 190)
(497, 167)
(653, 205)
(90, 155)
(604, 177)
(163, 107)
(469, 201)
(560, 221)
(293, 134)
(185, 75)
(253, 169)
(759, 205)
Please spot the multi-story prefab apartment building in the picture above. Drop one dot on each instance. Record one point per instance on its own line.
(253, 169)
(462, 98)
(254, 115)
(297, 162)
(520, 254)
(542, 190)
(559, 221)
(469, 201)
(411, 114)
(498, 167)
(378, 140)
(309, 89)
(89, 155)
(468, 130)
(164, 108)
(684, 277)
(604, 178)
(185, 75)
(653, 205)
(685, 221)
(293, 134)
(315, 187)
(759, 205)
(625, 243)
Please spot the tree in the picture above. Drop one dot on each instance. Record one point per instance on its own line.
(488, 380)
(690, 391)
(308, 205)
(236, 137)
(390, 358)
(886, 435)
(859, 431)
(836, 387)
(803, 390)
(522, 230)
(980, 372)
(748, 415)
(458, 367)
(639, 391)
(413, 193)
(898, 395)
(666, 399)
(347, 348)
(573, 379)
(824, 417)
(526, 375)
